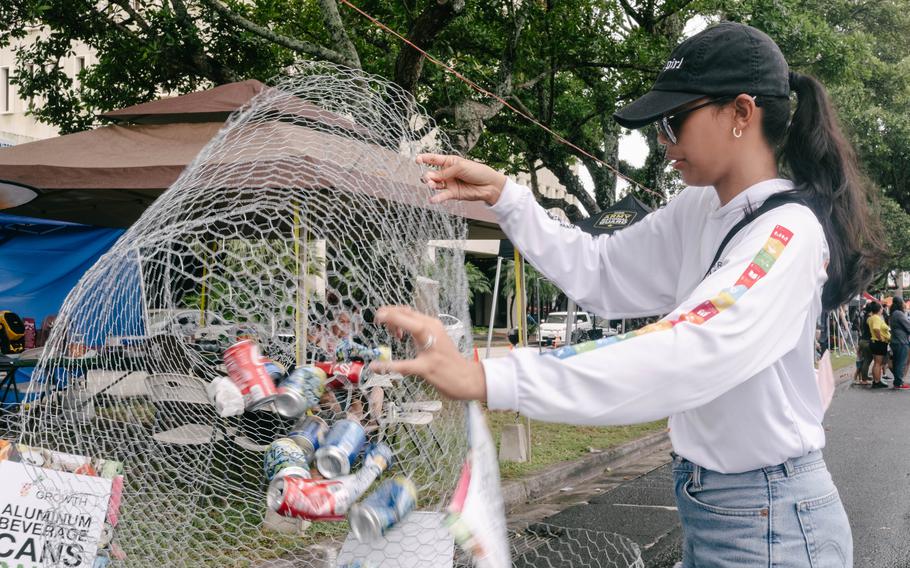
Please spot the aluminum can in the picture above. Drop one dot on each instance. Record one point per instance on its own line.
(314, 500)
(300, 391)
(348, 349)
(275, 370)
(340, 450)
(328, 499)
(341, 375)
(385, 508)
(309, 433)
(244, 367)
(283, 458)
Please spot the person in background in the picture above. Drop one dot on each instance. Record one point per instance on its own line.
(881, 336)
(863, 349)
(900, 341)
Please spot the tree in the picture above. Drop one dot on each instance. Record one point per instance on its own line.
(478, 283)
(896, 224)
(553, 60)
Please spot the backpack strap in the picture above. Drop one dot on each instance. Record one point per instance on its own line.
(773, 202)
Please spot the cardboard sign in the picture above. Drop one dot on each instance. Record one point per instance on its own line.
(49, 513)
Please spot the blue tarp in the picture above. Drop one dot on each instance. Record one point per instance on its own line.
(41, 261)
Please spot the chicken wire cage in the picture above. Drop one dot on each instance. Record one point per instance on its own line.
(304, 214)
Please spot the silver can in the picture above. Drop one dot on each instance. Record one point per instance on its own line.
(309, 433)
(283, 458)
(300, 391)
(341, 448)
(382, 510)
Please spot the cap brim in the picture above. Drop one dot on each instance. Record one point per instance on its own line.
(648, 108)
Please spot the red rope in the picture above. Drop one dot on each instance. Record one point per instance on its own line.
(480, 89)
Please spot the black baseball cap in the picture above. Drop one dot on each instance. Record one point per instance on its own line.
(725, 59)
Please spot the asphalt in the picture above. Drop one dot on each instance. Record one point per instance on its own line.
(868, 453)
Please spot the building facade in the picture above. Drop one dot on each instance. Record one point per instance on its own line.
(16, 125)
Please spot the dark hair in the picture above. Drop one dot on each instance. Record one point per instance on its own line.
(874, 307)
(817, 156)
(897, 303)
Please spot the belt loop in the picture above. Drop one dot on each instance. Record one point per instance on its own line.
(788, 467)
(696, 477)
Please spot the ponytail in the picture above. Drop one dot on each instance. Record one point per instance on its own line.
(823, 166)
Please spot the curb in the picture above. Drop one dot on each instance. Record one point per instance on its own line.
(549, 479)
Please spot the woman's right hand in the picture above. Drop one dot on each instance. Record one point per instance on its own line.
(462, 179)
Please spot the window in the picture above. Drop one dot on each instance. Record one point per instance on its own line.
(80, 65)
(4, 89)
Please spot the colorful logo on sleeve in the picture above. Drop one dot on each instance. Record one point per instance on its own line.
(760, 266)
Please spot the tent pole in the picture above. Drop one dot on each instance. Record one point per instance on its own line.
(301, 305)
(518, 296)
(570, 319)
(493, 308)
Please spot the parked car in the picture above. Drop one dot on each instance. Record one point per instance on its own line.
(185, 325)
(554, 328)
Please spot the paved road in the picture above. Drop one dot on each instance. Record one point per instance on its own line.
(868, 453)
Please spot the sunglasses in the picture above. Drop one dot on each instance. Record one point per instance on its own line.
(670, 124)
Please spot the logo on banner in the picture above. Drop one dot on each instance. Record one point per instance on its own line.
(616, 219)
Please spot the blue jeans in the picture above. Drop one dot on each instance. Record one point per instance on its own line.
(899, 351)
(786, 516)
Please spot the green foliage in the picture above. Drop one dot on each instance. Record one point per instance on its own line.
(896, 224)
(478, 283)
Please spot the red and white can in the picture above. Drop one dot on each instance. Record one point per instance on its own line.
(341, 375)
(246, 368)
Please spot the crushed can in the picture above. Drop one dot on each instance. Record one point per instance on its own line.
(245, 368)
(383, 509)
(285, 458)
(341, 447)
(300, 391)
(309, 433)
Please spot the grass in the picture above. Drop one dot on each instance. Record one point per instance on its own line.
(842, 360)
(554, 443)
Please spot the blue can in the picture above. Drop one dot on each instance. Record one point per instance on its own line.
(309, 433)
(284, 457)
(300, 391)
(340, 449)
(275, 370)
(385, 508)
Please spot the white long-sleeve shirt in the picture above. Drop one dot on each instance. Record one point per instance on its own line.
(732, 362)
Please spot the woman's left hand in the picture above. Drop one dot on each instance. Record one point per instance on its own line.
(438, 361)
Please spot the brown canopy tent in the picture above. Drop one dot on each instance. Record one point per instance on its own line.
(108, 176)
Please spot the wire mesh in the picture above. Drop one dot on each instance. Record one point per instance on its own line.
(302, 215)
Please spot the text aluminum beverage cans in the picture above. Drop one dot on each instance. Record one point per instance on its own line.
(283, 458)
(309, 433)
(340, 450)
(300, 391)
(245, 368)
(385, 508)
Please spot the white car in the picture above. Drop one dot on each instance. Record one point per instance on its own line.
(455, 329)
(185, 324)
(554, 328)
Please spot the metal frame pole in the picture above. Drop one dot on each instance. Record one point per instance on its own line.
(493, 308)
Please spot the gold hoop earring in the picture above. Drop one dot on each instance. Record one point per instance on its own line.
(737, 133)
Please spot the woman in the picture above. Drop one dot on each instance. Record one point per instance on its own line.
(881, 336)
(900, 342)
(863, 350)
(732, 363)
